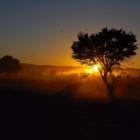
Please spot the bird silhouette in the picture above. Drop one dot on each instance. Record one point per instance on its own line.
(61, 30)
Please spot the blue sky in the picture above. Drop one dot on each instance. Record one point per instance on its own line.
(30, 29)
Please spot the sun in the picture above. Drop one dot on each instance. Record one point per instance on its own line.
(92, 69)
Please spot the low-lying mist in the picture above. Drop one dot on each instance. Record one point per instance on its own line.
(73, 86)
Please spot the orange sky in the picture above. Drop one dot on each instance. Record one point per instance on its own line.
(31, 30)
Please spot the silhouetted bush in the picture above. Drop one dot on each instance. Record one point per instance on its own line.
(9, 65)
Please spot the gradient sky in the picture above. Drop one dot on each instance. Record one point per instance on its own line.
(30, 30)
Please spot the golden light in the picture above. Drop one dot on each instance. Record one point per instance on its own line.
(92, 69)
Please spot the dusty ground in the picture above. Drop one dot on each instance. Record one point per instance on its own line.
(30, 109)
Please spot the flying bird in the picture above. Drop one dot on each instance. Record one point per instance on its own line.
(61, 30)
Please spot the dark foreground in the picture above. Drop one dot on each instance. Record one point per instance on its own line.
(26, 114)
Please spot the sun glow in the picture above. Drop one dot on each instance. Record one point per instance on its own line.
(92, 69)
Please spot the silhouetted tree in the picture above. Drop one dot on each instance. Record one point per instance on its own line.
(9, 65)
(108, 48)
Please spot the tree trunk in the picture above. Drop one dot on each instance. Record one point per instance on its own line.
(110, 87)
(111, 93)
(8, 75)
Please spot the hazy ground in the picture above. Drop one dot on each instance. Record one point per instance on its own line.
(67, 107)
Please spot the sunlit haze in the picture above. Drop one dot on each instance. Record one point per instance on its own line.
(92, 69)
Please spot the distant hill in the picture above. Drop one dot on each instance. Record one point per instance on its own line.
(132, 71)
(41, 68)
(129, 72)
